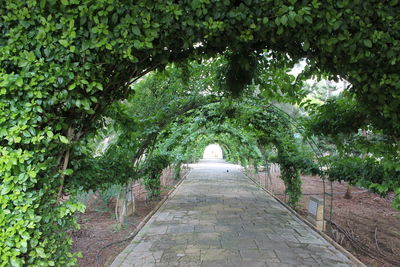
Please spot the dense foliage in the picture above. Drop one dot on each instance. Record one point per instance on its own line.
(152, 171)
(63, 64)
(361, 153)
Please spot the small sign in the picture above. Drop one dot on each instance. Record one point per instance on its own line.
(313, 207)
(316, 212)
(129, 196)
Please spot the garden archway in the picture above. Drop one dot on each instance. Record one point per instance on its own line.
(64, 63)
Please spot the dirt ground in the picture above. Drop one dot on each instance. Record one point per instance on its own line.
(366, 219)
(97, 239)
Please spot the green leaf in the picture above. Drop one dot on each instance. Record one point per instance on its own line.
(40, 252)
(284, 20)
(15, 262)
(68, 171)
(6, 188)
(136, 30)
(25, 235)
(32, 174)
(63, 42)
(72, 86)
(306, 45)
(85, 44)
(31, 56)
(19, 82)
(368, 43)
(63, 139)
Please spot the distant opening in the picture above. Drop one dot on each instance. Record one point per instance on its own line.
(213, 151)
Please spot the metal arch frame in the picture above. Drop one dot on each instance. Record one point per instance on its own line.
(317, 152)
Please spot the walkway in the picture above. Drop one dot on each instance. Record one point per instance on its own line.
(220, 218)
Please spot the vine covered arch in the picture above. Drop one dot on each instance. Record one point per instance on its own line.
(250, 133)
(63, 63)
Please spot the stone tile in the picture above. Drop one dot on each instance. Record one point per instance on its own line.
(214, 263)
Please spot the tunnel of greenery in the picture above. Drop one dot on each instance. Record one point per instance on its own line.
(102, 92)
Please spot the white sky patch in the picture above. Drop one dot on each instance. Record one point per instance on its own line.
(213, 151)
(298, 68)
(338, 87)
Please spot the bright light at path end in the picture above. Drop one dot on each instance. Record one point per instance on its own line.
(213, 151)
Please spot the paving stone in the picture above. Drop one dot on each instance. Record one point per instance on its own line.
(219, 218)
(214, 263)
(167, 264)
(204, 229)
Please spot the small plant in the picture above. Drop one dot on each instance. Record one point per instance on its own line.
(110, 192)
(153, 169)
(118, 227)
(84, 197)
(101, 207)
(105, 197)
(177, 170)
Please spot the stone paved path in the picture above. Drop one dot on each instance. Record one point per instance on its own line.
(220, 218)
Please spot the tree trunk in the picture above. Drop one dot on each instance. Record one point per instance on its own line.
(348, 195)
(125, 205)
